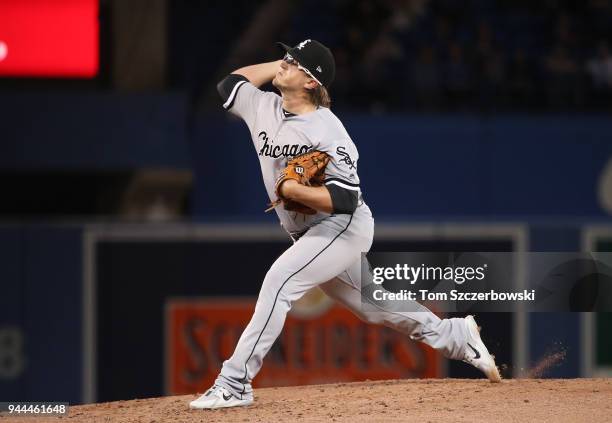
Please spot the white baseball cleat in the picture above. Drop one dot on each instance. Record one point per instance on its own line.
(218, 397)
(476, 352)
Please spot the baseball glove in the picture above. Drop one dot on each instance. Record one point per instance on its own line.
(307, 169)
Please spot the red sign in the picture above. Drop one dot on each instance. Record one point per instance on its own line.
(332, 347)
(50, 38)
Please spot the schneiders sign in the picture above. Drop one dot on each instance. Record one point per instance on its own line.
(480, 281)
(331, 346)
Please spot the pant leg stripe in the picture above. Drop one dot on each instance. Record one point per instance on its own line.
(276, 297)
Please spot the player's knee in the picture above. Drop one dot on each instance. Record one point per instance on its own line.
(274, 280)
(281, 286)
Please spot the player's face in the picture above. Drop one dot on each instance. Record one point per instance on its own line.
(291, 76)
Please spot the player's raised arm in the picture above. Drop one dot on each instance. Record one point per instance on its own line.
(259, 74)
(240, 93)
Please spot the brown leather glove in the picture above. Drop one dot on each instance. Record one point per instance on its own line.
(307, 169)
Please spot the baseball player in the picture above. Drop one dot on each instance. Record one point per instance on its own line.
(330, 235)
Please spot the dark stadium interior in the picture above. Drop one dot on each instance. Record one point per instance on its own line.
(479, 123)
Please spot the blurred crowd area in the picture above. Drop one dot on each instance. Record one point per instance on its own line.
(447, 55)
(466, 54)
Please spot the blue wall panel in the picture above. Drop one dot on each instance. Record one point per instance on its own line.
(555, 344)
(53, 316)
(12, 311)
(92, 131)
(430, 166)
(554, 338)
(42, 277)
(547, 165)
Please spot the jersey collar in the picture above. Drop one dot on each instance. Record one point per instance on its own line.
(287, 114)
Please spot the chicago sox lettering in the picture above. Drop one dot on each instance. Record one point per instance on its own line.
(276, 151)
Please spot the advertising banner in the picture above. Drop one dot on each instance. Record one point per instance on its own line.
(329, 344)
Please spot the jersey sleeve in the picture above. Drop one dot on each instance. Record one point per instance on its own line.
(344, 201)
(342, 168)
(241, 98)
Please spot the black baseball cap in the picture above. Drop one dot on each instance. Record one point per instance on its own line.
(316, 58)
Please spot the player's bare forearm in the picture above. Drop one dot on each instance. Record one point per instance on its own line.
(261, 73)
(317, 198)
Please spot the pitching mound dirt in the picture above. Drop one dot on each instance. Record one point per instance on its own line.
(447, 400)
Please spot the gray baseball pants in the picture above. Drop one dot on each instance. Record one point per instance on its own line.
(328, 256)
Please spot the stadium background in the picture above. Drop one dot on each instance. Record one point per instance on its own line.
(133, 238)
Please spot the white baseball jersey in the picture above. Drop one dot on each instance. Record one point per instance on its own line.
(279, 136)
(328, 255)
